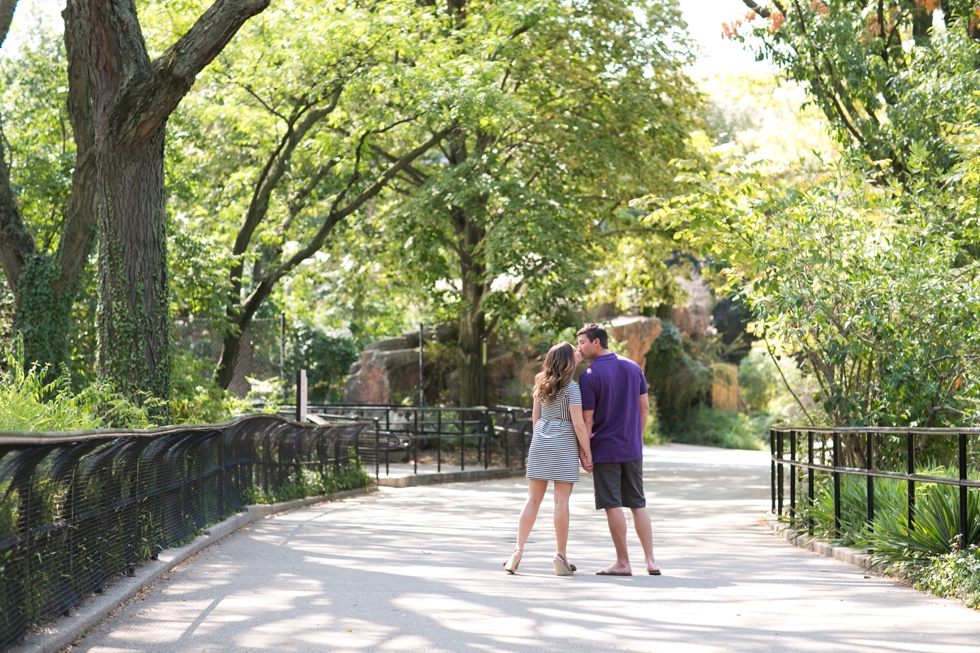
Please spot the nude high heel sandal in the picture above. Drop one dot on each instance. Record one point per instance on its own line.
(562, 568)
(515, 559)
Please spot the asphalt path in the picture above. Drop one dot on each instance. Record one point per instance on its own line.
(419, 569)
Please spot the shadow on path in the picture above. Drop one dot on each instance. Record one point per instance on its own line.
(418, 569)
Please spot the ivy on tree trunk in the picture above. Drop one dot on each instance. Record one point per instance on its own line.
(119, 102)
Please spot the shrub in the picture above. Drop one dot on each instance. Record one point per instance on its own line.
(196, 398)
(952, 575)
(310, 482)
(31, 402)
(890, 541)
(677, 380)
(719, 428)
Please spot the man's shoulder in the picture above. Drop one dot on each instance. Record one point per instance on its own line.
(622, 360)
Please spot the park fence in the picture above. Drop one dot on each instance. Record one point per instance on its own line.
(78, 508)
(439, 436)
(805, 458)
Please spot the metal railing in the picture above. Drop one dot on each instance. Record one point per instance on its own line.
(77, 508)
(412, 430)
(824, 452)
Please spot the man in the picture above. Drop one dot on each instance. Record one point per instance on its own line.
(615, 408)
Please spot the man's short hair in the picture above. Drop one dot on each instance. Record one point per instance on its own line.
(595, 332)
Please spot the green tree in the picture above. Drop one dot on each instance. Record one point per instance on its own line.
(888, 75)
(585, 105)
(866, 284)
(118, 103)
(281, 143)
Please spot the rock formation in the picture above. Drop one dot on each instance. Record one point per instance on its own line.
(638, 334)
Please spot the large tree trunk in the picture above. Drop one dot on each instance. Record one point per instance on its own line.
(119, 102)
(472, 318)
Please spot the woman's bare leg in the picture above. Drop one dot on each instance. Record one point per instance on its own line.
(562, 492)
(535, 494)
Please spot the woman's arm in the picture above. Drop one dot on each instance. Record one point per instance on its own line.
(582, 433)
(535, 415)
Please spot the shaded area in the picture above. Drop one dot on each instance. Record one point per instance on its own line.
(419, 569)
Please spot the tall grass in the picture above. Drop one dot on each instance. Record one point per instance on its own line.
(30, 401)
(890, 540)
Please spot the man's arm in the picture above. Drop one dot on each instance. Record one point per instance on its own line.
(644, 412)
(587, 416)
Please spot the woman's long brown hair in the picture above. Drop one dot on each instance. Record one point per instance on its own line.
(555, 373)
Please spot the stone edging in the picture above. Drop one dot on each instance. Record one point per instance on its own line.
(414, 480)
(842, 553)
(56, 635)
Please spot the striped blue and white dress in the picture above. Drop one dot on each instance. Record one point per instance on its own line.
(554, 448)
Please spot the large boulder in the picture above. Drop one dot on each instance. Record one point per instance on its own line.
(389, 367)
(638, 334)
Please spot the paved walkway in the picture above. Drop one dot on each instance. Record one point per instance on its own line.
(418, 569)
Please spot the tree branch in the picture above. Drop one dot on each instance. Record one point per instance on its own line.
(762, 11)
(148, 103)
(7, 8)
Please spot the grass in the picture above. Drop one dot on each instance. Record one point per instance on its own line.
(32, 401)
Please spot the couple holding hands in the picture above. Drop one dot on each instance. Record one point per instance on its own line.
(599, 423)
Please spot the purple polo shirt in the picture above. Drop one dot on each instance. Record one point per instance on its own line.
(612, 386)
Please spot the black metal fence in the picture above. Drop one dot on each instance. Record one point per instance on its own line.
(873, 453)
(444, 435)
(77, 508)
(261, 355)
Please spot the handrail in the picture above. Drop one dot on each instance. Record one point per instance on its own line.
(779, 461)
(77, 508)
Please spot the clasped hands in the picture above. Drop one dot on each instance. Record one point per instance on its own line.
(586, 460)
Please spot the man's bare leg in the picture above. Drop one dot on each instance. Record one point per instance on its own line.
(641, 521)
(617, 528)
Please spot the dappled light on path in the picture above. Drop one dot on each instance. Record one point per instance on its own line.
(419, 569)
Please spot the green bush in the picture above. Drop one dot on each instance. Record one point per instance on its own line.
(196, 398)
(890, 541)
(310, 482)
(720, 428)
(326, 355)
(953, 575)
(651, 435)
(677, 380)
(31, 402)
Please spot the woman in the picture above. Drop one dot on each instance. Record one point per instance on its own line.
(559, 437)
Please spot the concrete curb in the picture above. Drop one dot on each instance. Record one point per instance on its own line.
(414, 480)
(842, 553)
(56, 635)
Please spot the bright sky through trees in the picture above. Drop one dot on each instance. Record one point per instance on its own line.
(718, 55)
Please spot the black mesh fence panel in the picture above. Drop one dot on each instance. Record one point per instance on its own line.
(258, 358)
(78, 508)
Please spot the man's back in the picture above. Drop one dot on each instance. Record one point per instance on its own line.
(611, 387)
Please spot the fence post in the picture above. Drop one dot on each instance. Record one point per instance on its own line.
(282, 351)
(910, 468)
(301, 396)
(439, 440)
(792, 477)
(871, 480)
(836, 483)
(487, 431)
(415, 438)
(462, 440)
(963, 460)
(377, 449)
(421, 369)
(809, 481)
(772, 469)
(779, 474)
